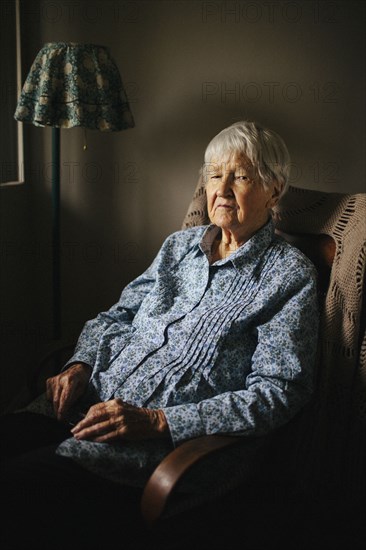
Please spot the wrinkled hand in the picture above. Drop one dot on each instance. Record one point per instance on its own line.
(117, 419)
(66, 388)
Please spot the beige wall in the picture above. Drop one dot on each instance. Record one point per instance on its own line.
(190, 69)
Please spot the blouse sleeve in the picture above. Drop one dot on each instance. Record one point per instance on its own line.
(281, 379)
(104, 336)
(114, 326)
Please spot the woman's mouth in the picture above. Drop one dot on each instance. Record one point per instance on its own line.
(227, 206)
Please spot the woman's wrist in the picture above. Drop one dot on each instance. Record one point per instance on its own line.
(159, 422)
(80, 365)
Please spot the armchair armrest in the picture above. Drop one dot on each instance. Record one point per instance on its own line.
(163, 480)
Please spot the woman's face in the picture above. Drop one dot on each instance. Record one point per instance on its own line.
(236, 200)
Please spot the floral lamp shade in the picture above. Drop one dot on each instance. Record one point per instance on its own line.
(72, 84)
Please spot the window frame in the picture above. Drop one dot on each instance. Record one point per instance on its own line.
(19, 134)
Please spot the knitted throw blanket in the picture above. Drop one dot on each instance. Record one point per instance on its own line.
(328, 445)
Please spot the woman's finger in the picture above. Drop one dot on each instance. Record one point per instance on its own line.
(94, 432)
(60, 394)
(64, 401)
(53, 393)
(95, 415)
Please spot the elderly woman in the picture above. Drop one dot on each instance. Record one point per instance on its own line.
(218, 336)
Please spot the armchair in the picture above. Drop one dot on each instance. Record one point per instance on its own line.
(315, 464)
(323, 450)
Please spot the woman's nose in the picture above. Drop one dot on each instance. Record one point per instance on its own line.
(224, 188)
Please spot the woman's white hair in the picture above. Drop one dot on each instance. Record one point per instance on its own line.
(265, 149)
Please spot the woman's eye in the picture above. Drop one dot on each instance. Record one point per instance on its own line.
(241, 178)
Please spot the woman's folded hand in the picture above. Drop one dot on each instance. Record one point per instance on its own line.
(116, 419)
(65, 389)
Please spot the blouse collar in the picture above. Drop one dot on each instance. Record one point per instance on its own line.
(250, 252)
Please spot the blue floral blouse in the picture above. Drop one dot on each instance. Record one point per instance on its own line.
(223, 348)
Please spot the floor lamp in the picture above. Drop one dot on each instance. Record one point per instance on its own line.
(68, 85)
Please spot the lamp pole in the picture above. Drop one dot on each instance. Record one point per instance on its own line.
(56, 249)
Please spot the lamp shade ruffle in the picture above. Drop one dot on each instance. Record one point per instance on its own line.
(72, 84)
